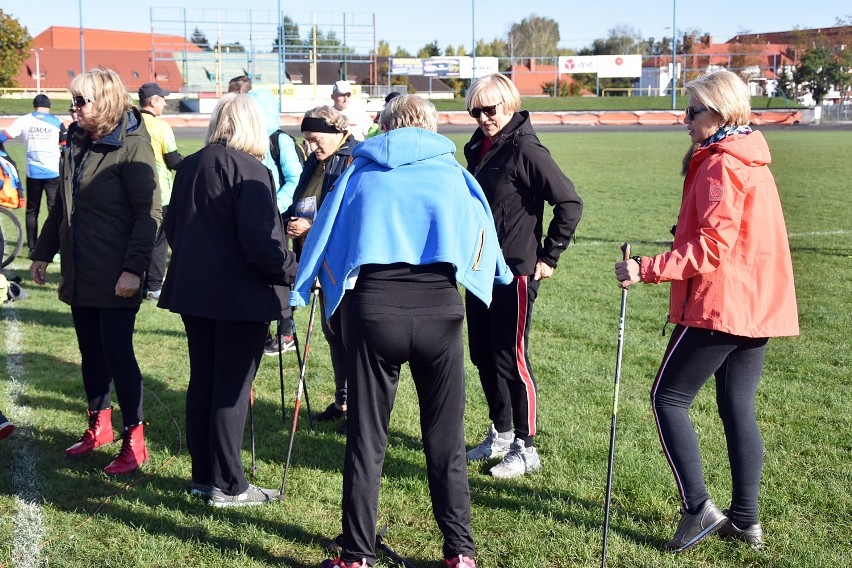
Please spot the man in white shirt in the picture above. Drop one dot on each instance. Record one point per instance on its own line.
(359, 121)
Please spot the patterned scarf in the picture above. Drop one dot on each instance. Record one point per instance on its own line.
(724, 132)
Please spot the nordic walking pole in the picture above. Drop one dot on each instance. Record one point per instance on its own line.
(253, 468)
(300, 388)
(281, 370)
(388, 551)
(625, 248)
(299, 363)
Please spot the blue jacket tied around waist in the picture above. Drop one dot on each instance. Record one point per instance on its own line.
(404, 198)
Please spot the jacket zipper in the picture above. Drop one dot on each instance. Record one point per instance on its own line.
(479, 246)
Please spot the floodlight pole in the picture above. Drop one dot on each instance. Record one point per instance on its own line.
(473, 36)
(280, 58)
(82, 42)
(674, 57)
(38, 68)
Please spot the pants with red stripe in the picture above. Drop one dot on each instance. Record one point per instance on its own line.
(498, 337)
(692, 357)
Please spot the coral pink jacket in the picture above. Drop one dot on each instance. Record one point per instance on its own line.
(730, 265)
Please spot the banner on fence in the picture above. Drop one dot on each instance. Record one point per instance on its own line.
(605, 66)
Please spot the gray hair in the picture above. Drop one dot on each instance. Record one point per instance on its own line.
(409, 110)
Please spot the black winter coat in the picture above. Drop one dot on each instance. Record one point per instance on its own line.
(228, 259)
(518, 175)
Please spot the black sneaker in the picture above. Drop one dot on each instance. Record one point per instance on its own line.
(273, 346)
(341, 429)
(330, 413)
(251, 496)
(694, 528)
(753, 535)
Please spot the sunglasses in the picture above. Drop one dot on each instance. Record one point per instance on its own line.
(489, 111)
(80, 101)
(692, 111)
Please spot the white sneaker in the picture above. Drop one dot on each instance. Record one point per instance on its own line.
(518, 461)
(493, 446)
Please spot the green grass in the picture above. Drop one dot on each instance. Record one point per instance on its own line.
(631, 187)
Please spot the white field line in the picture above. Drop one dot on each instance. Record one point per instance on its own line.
(28, 523)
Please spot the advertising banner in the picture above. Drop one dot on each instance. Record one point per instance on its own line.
(578, 64)
(406, 66)
(619, 66)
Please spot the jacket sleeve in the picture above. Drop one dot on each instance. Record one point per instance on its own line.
(47, 244)
(547, 180)
(139, 178)
(259, 228)
(292, 169)
(717, 201)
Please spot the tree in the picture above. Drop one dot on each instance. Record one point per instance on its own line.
(818, 71)
(430, 50)
(383, 49)
(289, 32)
(533, 37)
(14, 48)
(199, 39)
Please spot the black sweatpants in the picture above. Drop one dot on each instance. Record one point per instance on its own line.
(498, 338)
(692, 357)
(157, 264)
(388, 320)
(223, 360)
(35, 189)
(331, 329)
(105, 338)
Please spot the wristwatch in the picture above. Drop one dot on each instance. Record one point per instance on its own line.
(638, 260)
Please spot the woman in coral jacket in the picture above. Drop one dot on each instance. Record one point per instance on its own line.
(732, 289)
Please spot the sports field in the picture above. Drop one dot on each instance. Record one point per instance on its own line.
(55, 512)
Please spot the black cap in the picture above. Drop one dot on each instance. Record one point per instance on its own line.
(392, 95)
(41, 101)
(148, 90)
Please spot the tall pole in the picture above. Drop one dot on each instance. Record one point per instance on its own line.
(674, 57)
(473, 35)
(82, 42)
(280, 57)
(38, 68)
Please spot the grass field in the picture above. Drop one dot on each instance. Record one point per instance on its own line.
(56, 512)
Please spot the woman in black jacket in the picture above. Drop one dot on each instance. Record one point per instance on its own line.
(518, 176)
(228, 278)
(324, 128)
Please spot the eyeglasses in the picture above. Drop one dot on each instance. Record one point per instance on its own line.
(692, 111)
(489, 111)
(80, 101)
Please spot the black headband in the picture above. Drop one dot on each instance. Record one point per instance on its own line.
(316, 124)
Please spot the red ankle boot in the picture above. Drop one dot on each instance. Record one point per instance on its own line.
(97, 434)
(133, 451)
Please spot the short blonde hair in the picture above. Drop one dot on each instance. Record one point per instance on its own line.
(109, 97)
(493, 89)
(724, 93)
(330, 115)
(238, 122)
(409, 110)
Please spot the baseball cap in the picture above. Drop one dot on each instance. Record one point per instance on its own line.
(41, 101)
(342, 87)
(150, 89)
(391, 96)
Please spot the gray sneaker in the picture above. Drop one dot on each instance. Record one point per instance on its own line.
(492, 447)
(251, 496)
(518, 461)
(692, 529)
(753, 535)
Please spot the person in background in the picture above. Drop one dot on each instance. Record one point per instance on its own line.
(731, 289)
(229, 276)
(325, 129)
(518, 176)
(44, 135)
(376, 128)
(395, 285)
(359, 121)
(6, 427)
(152, 103)
(104, 223)
(239, 85)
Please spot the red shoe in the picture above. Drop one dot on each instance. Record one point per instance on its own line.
(460, 562)
(97, 434)
(133, 451)
(6, 427)
(339, 563)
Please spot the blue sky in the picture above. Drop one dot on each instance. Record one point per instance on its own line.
(450, 22)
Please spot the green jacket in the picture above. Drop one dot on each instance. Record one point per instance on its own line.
(106, 215)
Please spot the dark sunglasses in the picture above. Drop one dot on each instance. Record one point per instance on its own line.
(489, 111)
(80, 101)
(692, 111)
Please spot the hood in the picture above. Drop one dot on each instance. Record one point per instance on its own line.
(130, 125)
(751, 149)
(404, 146)
(268, 108)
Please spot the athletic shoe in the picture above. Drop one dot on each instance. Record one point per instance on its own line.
(6, 427)
(153, 295)
(331, 412)
(274, 347)
(693, 528)
(518, 461)
(339, 563)
(200, 489)
(753, 534)
(492, 447)
(460, 562)
(341, 428)
(251, 496)
(335, 545)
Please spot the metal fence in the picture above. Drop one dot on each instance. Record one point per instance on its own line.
(836, 113)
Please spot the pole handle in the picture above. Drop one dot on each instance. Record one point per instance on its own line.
(625, 248)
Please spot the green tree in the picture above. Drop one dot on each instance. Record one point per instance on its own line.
(289, 32)
(431, 49)
(14, 48)
(818, 71)
(534, 36)
(402, 52)
(199, 39)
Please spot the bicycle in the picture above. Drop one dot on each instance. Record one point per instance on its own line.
(11, 236)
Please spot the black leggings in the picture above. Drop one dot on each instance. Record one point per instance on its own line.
(105, 337)
(693, 355)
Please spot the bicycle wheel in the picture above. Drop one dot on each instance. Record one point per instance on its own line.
(11, 236)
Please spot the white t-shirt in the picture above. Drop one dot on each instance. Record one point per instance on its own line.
(359, 122)
(41, 135)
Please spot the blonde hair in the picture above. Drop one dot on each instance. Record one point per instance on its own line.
(409, 110)
(237, 121)
(724, 93)
(494, 89)
(109, 97)
(330, 115)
